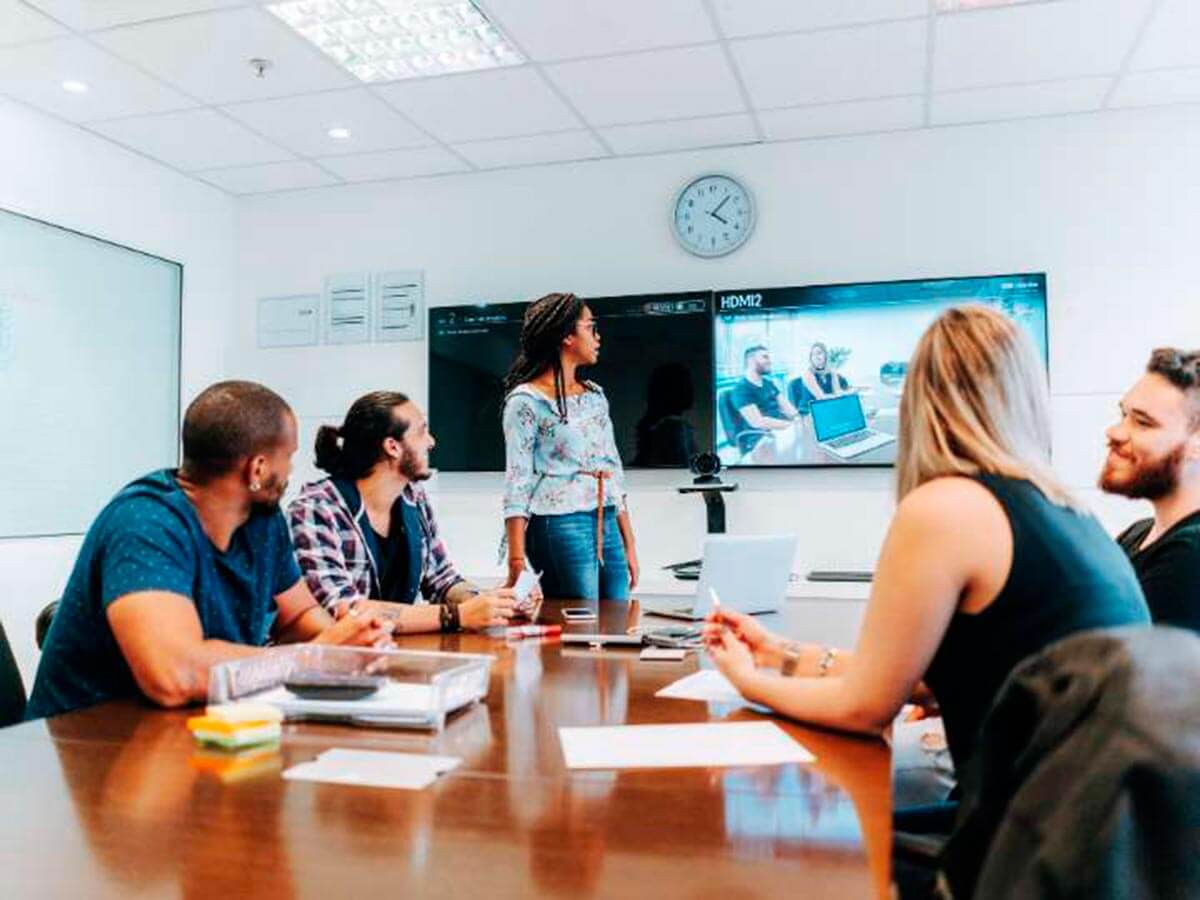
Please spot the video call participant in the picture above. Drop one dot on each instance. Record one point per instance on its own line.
(758, 403)
(368, 530)
(818, 382)
(988, 558)
(186, 569)
(564, 486)
(1154, 454)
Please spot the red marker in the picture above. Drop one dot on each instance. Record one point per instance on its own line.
(516, 632)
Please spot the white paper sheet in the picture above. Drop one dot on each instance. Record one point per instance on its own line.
(372, 768)
(707, 684)
(677, 746)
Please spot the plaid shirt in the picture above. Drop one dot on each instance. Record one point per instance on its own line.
(332, 550)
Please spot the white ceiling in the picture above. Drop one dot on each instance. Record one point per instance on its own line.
(171, 80)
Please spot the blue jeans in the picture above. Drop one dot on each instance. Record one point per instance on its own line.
(563, 549)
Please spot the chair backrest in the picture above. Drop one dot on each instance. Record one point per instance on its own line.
(12, 688)
(731, 420)
(1086, 774)
(799, 395)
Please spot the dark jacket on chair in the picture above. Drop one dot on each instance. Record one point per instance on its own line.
(1086, 782)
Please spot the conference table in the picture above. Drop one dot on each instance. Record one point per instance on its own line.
(116, 800)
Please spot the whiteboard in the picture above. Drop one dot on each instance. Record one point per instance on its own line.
(89, 373)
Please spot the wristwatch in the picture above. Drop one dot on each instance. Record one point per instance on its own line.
(448, 617)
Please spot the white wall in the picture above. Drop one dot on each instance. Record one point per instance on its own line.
(64, 176)
(1108, 205)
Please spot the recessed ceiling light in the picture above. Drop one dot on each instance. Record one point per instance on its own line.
(74, 87)
(340, 134)
(386, 40)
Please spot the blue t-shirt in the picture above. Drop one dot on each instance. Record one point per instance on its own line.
(149, 538)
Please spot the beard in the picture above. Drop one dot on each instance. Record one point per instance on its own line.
(414, 466)
(1151, 480)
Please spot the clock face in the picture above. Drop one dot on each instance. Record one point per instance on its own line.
(713, 216)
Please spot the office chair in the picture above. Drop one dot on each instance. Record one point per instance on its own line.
(1087, 774)
(42, 626)
(743, 439)
(12, 688)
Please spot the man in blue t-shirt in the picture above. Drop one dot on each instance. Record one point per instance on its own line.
(759, 406)
(186, 569)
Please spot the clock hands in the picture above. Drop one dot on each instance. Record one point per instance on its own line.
(713, 212)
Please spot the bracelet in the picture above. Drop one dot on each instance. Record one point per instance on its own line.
(826, 662)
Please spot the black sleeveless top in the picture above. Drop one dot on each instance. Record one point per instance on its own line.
(1067, 576)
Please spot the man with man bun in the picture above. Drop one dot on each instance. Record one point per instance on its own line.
(368, 532)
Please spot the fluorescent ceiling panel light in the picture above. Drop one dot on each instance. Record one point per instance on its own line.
(74, 87)
(388, 40)
(339, 134)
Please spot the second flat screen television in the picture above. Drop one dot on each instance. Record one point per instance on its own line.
(812, 376)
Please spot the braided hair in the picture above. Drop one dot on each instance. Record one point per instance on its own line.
(548, 321)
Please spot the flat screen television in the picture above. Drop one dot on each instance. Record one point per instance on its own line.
(835, 356)
(655, 368)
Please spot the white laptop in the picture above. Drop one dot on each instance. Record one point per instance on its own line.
(841, 427)
(749, 573)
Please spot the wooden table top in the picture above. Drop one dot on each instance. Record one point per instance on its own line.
(116, 799)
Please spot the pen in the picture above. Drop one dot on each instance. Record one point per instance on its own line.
(516, 632)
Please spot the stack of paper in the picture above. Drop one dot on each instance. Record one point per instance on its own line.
(673, 746)
(371, 768)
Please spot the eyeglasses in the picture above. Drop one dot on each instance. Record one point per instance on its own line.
(592, 327)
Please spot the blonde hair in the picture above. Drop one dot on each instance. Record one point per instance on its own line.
(976, 402)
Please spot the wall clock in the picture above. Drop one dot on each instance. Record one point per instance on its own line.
(713, 215)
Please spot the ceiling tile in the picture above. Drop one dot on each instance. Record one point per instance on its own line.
(1158, 88)
(1170, 38)
(283, 176)
(830, 66)
(208, 56)
(742, 18)
(663, 84)
(524, 151)
(860, 117)
(1034, 42)
(481, 105)
(1019, 101)
(34, 73)
(658, 136)
(19, 23)
(89, 15)
(568, 29)
(192, 140)
(302, 123)
(395, 164)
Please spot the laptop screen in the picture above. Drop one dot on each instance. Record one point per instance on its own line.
(837, 416)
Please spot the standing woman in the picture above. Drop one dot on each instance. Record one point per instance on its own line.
(564, 488)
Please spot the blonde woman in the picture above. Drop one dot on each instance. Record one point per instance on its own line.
(988, 558)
